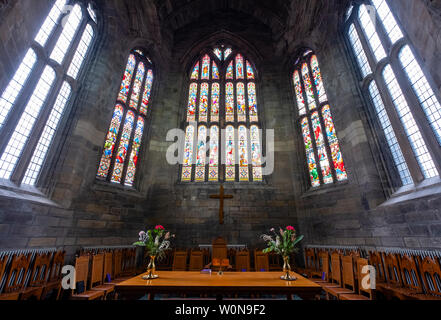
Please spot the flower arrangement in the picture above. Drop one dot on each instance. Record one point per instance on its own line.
(284, 244)
(156, 242)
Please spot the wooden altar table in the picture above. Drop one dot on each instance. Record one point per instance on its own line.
(174, 282)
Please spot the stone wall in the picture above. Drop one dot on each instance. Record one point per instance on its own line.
(82, 211)
(357, 213)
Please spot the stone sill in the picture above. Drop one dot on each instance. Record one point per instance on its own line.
(27, 193)
(326, 188)
(227, 185)
(427, 188)
(105, 186)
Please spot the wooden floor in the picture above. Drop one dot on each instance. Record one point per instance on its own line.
(171, 282)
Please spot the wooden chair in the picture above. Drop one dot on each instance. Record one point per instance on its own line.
(38, 279)
(128, 263)
(324, 261)
(275, 263)
(431, 274)
(53, 283)
(180, 261)
(261, 262)
(196, 260)
(393, 288)
(410, 276)
(219, 253)
(16, 278)
(243, 261)
(3, 262)
(81, 275)
(375, 260)
(108, 262)
(118, 276)
(96, 280)
(231, 256)
(166, 263)
(334, 278)
(362, 292)
(311, 269)
(347, 279)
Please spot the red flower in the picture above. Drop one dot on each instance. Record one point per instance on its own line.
(159, 227)
(290, 228)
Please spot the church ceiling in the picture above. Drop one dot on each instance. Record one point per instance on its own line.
(278, 15)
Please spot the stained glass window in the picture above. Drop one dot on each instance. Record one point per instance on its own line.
(227, 53)
(214, 154)
(256, 153)
(29, 125)
(241, 108)
(230, 155)
(252, 102)
(203, 103)
(192, 97)
(235, 87)
(215, 95)
(119, 161)
(205, 68)
(229, 103)
(201, 153)
(250, 72)
(218, 53)
(310, 156)
(374, 24)
(323, 154)
(230, 71)
(188, 154)
(215, 71)
(195, 72)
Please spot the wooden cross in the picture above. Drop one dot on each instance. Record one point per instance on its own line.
(221, 196)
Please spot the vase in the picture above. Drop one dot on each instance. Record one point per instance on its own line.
(287, 270)
(151, 269)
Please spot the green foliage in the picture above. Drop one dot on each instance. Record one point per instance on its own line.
(284, 243)
(156, 241)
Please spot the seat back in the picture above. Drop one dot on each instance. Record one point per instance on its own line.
(431, 274)
(196, 260)
(82, 269)
(392, 268)
(261, 262)
(310, 259)
(219, 249)
(375, 260)
(243, 261)
(117, 262)
(3, 262)
(362, 263)
(107, 270)
(180, 261)
(275, 263)
(57, 266)
(336, 268)
(324, 258)
(129, 260)
(165, 262)
(231, 256)
(348, 272)
(17, 273)
(96, 278)
(409, 273)
(40, 270)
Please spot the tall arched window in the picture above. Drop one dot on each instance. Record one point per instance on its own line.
(406, 106)
(222, 108)
(34, 102)
(323, 155)
(119, 160)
